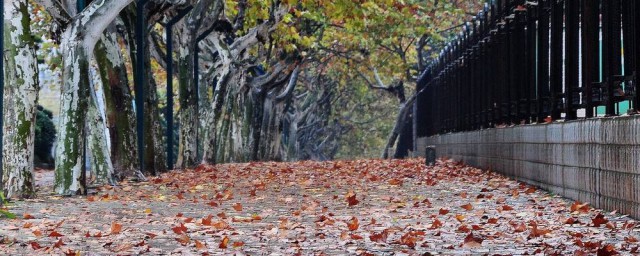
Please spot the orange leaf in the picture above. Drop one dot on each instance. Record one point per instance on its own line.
(436, 224)
(116, 228)
(353, 224)
(443, 211)
(27, 225)
(237, 244)
(492, 221)
(200, 245)
(207, 221)
(37, 233)
(179, 229)
(237, 207)
(467, 207)
(27, 216)
(183, 239)
(460, 217)
(395, 182)
(507, 208)
(224, 242)
(379, 237)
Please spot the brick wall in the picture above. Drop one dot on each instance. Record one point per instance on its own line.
(595, 160)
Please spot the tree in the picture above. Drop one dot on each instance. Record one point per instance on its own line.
(20, 97)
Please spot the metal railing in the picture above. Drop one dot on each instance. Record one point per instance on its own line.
(521, 62)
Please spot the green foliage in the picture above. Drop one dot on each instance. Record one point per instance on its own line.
(45, 135)
(3, 208)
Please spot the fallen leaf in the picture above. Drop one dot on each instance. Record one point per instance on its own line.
(237, 207)
(55, 234)
(599, 220)
(443, 211)
(224, 242)
(351, 198)
(467, 207)
(353, 224)
(379, 237)
(471, 241)
(116, 228)
(199, 245)
(183, 239)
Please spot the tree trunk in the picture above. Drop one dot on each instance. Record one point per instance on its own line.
(20, 97)
(98, 145)
(78, 41)
(119, 108)
(187, 150)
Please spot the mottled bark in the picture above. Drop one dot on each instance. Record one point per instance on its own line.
(20, 97)
(78, 42)
(119, 108)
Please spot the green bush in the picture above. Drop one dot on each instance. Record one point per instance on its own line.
(45, 136)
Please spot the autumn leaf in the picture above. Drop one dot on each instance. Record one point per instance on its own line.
(55, 234)
(151, 235)
(580, 207)
(27, 225)
(467, 207)
(35, 245)
(353, 224)
(351, 198)
(443, 211)
(507, 208)
(183, 239)
(492, 221)
(379, 237)
(237, 244)
(395, 182)
(460, 217)
(58, 244)
(207, 221)
(599, 220)
(409, 239)
(436, 224)
(224, 242)
(237, 207)
(37, 233)
(179, 229)
(116, 228)
(471, 241)
(607, 250)
(27, 216)
(199, 245)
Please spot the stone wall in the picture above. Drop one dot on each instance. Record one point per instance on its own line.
(595, 160)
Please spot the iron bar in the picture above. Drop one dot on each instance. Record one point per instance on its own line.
(572, 69)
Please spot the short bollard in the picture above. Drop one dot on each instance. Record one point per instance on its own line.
(430, 155)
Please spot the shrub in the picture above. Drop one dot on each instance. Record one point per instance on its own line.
(45, 136)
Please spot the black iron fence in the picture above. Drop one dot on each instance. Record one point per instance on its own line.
(523, 62)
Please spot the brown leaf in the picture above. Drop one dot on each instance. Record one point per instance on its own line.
(580, 207)
(35, 245)
(223, 244)
(207, 221)
(443, 211)
(530, 190)
(58, 244)
(599, 220)
(395, 182)
(237, 244)
(492, 221)
(471, 241)
(607, 250)
(409, 239)
(379, 237)
(507, 208)
(237, 207)
(179, 229)
(467, 207)
(27, 216)
(116, 228)
(183, 239)
(353, 224)
(199, 245)
(351, 198)
(37, 233)
(54, 234)
(27, 225)
(436, 224)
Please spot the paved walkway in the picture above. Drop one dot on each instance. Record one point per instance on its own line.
(365, 207)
